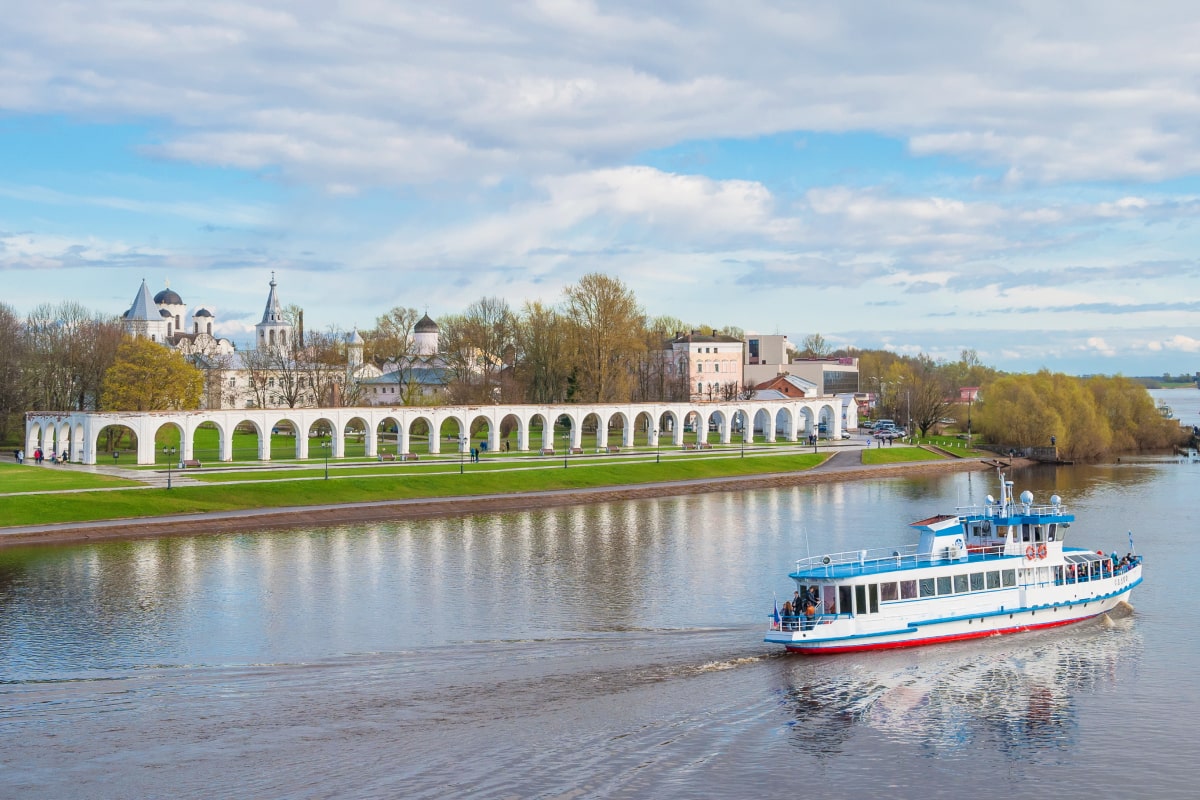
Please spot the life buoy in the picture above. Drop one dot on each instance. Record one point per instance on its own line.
(1041, 551)
(1030, 552)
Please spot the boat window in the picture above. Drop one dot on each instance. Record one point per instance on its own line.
(943, 584)
(830, 597)
(927, 587)
(873, 595)
(1009, 577)
(1058, 576)
(993, 579)
(960, 584)
(1051, 531)
(1025, 532)
(976, 581)
(908, 589)
(845, 599)
(1037, 533)
(860, 596)
(889, 591)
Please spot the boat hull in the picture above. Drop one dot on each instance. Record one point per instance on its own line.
(839, 637)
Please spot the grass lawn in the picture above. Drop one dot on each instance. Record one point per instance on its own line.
(898, 454)
(32, 510)
(31, 478)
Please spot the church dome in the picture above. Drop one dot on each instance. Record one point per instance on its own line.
(162, 312)
(168, 297)
(426, 325)
(204, 312)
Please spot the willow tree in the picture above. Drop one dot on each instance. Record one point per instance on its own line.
(147, 376)
(606, 325)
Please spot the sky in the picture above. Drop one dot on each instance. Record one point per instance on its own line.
(1017, 179)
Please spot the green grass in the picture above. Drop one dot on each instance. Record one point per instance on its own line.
(82, 506)
(32, 478)
(898, 454)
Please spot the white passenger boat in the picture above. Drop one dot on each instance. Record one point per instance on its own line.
(984, 571)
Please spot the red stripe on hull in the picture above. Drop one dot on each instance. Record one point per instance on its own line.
(956, 637)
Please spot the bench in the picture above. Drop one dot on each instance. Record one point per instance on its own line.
(410, 456)
(547, 451)
(192, 462)
(613, 449)
(577, 451)
(387, 456)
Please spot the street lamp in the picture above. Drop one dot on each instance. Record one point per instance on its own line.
(462, 444)
(657, 449)
(169, 452)
(326, 445)
(743, 418)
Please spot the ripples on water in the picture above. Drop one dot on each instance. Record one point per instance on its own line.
(601, 651)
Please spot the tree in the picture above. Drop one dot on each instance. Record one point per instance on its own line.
(146, 376)
(483, 343)
(69, 350)
(606, 324)
(814, 346)
(12, 363)
(393, 342)
(543, 362)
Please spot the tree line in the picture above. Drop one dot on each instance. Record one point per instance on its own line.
(596, 345)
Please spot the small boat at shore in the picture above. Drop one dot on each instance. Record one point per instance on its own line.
(989, 570)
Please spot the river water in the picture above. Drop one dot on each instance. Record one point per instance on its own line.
(608, 650)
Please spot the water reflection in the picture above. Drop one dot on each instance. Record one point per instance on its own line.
(1010, 695)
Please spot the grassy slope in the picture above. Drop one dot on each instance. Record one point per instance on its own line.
(33, 510)
(29, 478)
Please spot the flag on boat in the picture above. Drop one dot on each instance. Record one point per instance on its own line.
(775, 616)
(1131, 541)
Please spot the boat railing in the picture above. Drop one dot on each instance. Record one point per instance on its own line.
(869, 560)
(998, 511)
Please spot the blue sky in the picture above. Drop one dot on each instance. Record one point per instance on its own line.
(927, 177)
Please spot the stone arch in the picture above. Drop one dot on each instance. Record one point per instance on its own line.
(453, 429)
(545, 431)
(506, 426)
(320, 434)
(169, 442)
(423, 424)
(591, 430)
(483, 433)
(390, 436)
(121, 439)
(247, 440)
(206, 441)
(358, 437)
(283, 429)
(620, 425)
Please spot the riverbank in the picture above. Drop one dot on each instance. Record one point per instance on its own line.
(209, 523)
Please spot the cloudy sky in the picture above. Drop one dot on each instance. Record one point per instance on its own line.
(1020, 179)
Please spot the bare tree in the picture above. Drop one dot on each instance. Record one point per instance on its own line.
(543, 361)
(69, 350)
(814, 346)
(12, 364)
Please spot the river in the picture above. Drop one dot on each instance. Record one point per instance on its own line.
(607, 650)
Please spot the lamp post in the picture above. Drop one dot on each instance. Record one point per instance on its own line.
(462, 445)
(657, 449)
(169, 452)
(970, 400)
(326, 445)
(742, 415)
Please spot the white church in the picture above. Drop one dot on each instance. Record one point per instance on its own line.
(236, 379)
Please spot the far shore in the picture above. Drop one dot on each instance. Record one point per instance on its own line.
(214, 523)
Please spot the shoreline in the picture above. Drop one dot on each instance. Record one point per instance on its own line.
(216, 523)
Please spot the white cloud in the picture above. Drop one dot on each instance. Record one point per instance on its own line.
(429, 92)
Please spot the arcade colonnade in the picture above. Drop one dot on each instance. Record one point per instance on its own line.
(77, 434)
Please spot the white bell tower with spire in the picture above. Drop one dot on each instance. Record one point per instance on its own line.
(274, 330)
